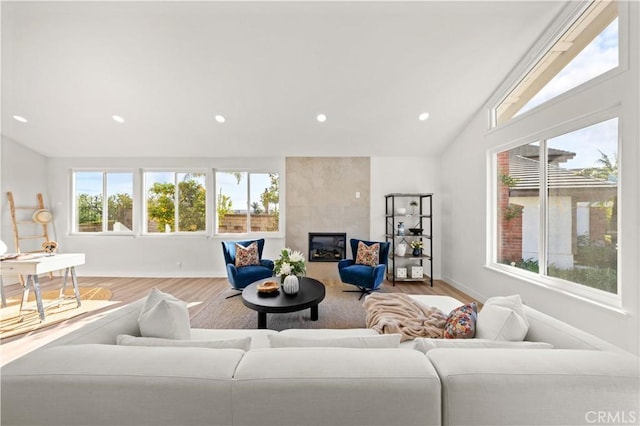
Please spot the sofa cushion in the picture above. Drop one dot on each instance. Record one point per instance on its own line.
(424, 345)
(336, 386)
(258, 338)
(242, 343)
(542, 387)
(461, 322)
(105, 329)
(328, 332)
(117, 385)
(545, 328)
(165, 316)
(502, 318)
(380, 341)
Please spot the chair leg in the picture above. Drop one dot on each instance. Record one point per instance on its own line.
(233, 295)
(361, 290)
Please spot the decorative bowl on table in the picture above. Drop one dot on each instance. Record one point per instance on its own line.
(416, 231)
(268, 288)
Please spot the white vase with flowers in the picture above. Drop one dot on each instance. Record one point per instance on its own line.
(289, 266)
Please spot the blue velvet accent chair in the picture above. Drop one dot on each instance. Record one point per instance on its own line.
(366, 278)
(241, 277)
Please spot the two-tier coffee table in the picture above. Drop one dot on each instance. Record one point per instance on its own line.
(311, 293)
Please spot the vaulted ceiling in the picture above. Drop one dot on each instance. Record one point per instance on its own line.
(269, 68)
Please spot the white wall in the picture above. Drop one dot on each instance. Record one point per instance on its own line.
(150, 255)
(24, 173)
(464, 205)
(406, 174)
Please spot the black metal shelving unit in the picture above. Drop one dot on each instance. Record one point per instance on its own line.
(418, 217)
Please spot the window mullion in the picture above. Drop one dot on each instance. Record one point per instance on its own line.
(105, 204)
(248, 202)
(543, 234)
(176, 204)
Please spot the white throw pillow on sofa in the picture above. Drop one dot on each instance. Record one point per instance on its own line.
(154, 297)
(164, 316)
(241, 343)
(382, 341)
(502, 318)
(424, 345)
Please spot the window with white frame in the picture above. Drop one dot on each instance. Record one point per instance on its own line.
(247, 202)
(587, 49)
(103, 201)
(556, 207)
(175, 201)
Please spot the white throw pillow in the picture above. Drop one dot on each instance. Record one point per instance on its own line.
(513, 302)
(164, 316)
(502, 318)
(154, 297)
(424, 345)
(242, 343)
(382, 341)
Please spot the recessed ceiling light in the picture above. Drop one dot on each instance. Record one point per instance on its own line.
(220, 119)
(117, 119)
(321, 118)
(423, 116)
(20, 118)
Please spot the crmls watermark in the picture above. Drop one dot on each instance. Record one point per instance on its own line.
(611, 417)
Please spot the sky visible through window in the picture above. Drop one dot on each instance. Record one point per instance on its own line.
(238, 191)
(91, 183)
(599, 56)
(588, 143)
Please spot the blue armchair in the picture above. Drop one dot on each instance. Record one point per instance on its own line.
(366, 278)
(241, 277)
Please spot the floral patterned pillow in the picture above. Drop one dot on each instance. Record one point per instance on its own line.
(368, 255)
(461, 323)
(246, 256)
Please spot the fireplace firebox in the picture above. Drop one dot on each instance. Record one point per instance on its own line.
(327, 246)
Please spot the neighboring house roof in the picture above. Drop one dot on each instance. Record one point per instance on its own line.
(555, 156)
(527, 173)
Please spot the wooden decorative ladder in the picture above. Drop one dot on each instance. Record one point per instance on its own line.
(17, 237)
(16, 231)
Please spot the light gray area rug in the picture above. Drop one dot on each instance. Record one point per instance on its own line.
(337, 310)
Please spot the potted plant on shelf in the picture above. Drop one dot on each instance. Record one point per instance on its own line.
(416, 245)
(288, 267)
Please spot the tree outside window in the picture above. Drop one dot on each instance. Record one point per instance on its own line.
(175, 198)
(96, 213)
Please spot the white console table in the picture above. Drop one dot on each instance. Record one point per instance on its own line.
(43, 264)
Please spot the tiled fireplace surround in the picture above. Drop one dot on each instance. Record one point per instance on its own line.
(321, 197)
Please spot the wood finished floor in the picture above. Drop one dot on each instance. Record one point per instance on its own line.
(126, 290)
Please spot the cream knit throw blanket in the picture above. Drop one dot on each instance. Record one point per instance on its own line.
(399, 313)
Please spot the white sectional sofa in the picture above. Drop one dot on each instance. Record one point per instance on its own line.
(84, 378)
